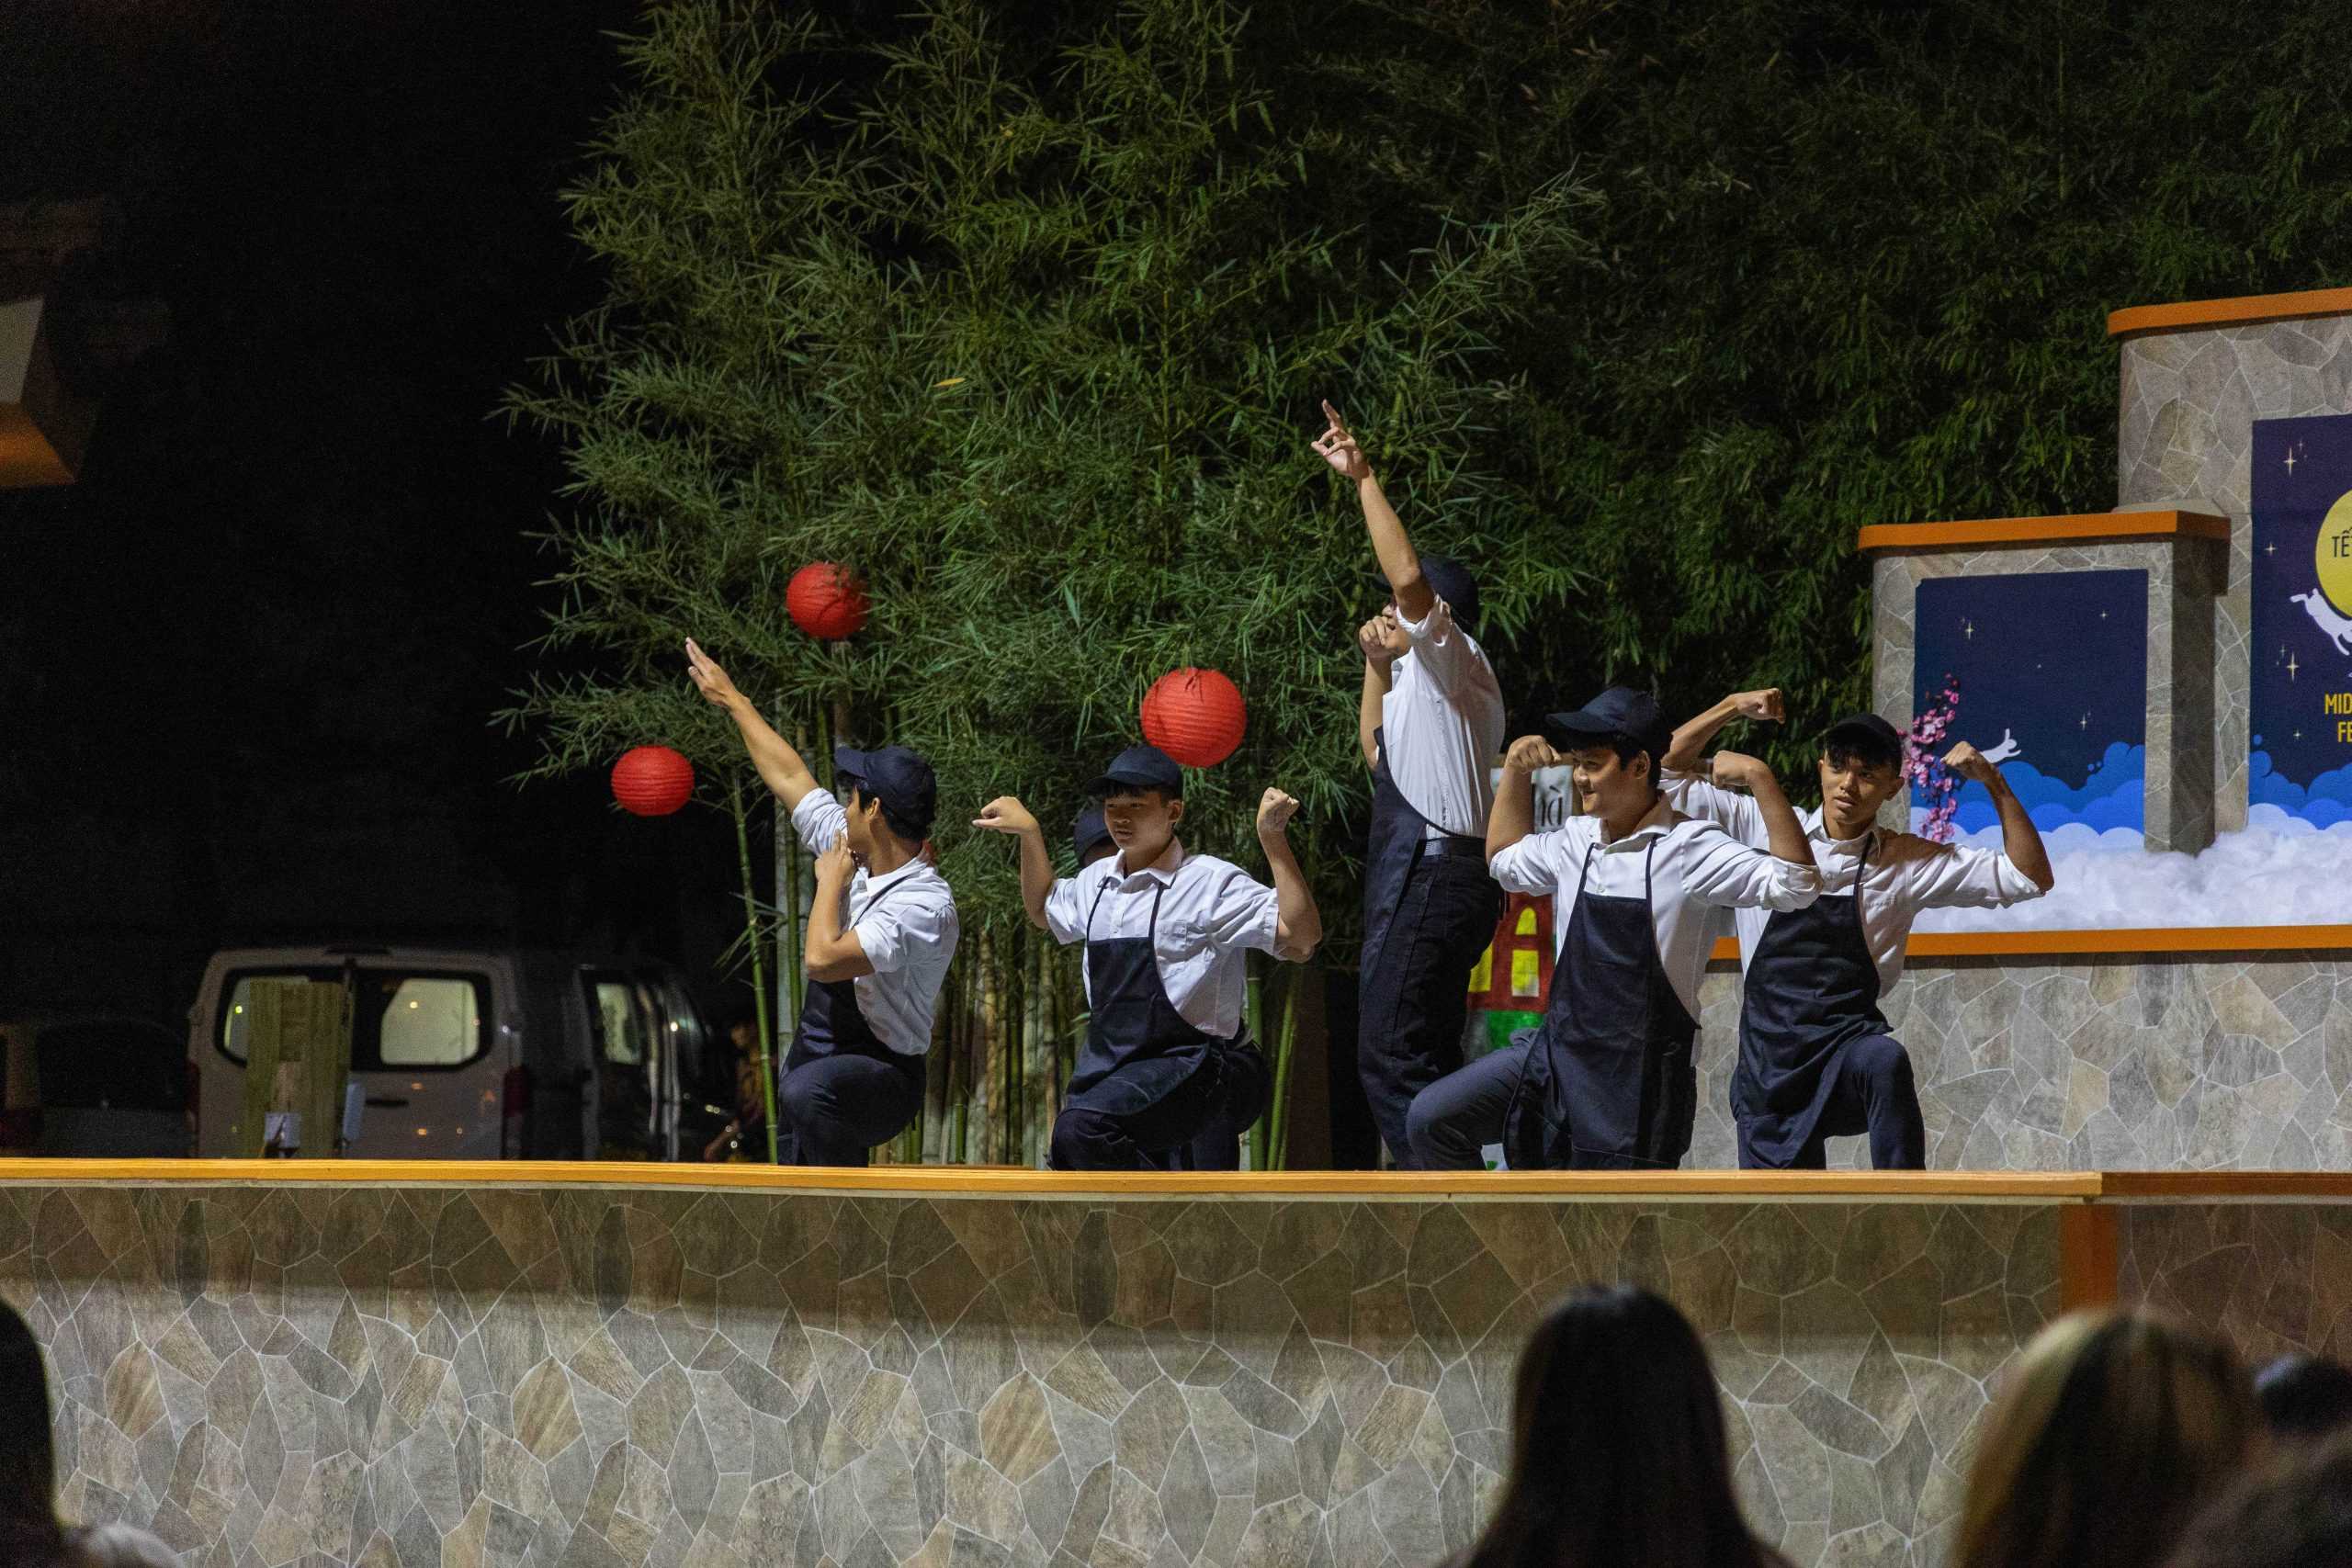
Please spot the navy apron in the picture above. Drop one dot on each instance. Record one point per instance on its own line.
(1609, 1082)
(833, 1024)
(1138, 1048)
(1812, 991)
(1396, 1067)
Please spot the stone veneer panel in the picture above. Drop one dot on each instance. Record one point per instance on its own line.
(2188, 403)
(2183, 576)
(426, 1376)
(2144, 1063)
(2270, 1278)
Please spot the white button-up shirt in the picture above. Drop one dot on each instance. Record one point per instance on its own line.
(1442, 724)
(909, 936)
(1907, 872)
(1699, 872)
(1211, 913)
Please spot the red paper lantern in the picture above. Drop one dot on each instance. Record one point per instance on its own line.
(1195, 716)
(826, 602)
(652, 781)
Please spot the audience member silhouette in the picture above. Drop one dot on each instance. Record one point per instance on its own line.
(2113, 1431)
(2296, 1514)
(2304, 1398)
(1618, 1453)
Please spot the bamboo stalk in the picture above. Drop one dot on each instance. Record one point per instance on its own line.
(1261, 1131)
(759, 966)
(1278, 1106)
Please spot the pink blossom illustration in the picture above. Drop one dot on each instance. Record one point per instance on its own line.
(1923, 762)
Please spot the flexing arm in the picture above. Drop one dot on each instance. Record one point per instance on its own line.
(831, 951)
(1784, 835)
(2021, 840)
(1007, 815)
(1513, 816)
(1376, 661)
(1692, 739)
(772, 754)
(1298, 925)
(1398, 561)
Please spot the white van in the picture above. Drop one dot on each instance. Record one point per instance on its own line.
(502, 1053)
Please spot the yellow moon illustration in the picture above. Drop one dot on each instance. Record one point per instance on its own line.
(2334, 554)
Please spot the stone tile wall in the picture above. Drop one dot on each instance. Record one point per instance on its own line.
(587, 1379)
(2201, 1061)
(2189, 400)
(2184, 575)
(2271, 1279)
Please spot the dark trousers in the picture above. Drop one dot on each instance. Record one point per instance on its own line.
(1106, 1129)
(1413, 993)
(833, 1109)
(1454, 1117)
(1872, 1091)
(1248, 1086)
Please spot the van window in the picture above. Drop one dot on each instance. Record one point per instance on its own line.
(621, 1010)
(403, 1021)
(430, 1022)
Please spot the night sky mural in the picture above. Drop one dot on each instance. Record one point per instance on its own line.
(2049, 673)
(2300, 705)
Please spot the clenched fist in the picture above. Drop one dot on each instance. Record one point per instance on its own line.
(1970, 763)
(1005, 813)
(1275, 811)
(1760, 706)
(1530, 752)
(1736, 770)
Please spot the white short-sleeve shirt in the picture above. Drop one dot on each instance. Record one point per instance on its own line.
(1442, 725)
(1698, 872)
(1211, 913)
(1906, 875)
(906, 923)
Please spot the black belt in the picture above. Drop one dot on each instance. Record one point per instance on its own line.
(1454, 846)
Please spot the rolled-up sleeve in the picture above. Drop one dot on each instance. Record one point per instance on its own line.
(1531, 866)
(1693, 794)
(1951, 877)
(1444, 653)
(1066, 904)
(1243, 912)
(818, 819)
(1723, 872)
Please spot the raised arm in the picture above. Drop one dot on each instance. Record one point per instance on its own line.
(1372, 638)
(1007, 815)
(1298, 925)
(1513, 816)
(833, 951)
(1784, 835)
(2021, 840)
(1692, 739)
(772, 754)
(1398, 561)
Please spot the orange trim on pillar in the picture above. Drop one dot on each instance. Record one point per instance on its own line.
(2071, 528)
(2088, 1257)
(2246, 310)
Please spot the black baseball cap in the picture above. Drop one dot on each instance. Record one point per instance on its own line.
(1140, 767)
(1452, 581)
(1620, 710)
(1866, 732)
(897, 777)
(1089, 833)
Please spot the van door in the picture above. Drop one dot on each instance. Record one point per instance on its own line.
(622, 1010)
(420, 1052)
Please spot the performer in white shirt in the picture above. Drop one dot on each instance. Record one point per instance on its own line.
(1816, 1057)
(1430, 722)
(881, 931)
(1165, 933)
(1247, 1084)
(1638, 895)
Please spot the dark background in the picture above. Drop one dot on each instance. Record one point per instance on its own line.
(248, 662)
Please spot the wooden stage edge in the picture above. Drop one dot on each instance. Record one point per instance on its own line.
(2118, 942)
(2067, 1188)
